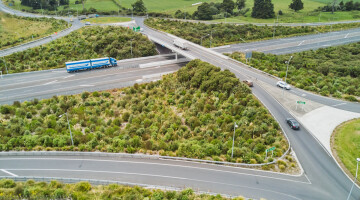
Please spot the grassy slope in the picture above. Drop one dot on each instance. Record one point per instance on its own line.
(104, 20)
(18, 31)
(346, 143)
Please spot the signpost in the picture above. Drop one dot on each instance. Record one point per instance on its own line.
(248, 55)
(268, 150)
(300, 102)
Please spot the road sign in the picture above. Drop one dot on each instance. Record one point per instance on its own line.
(248, 54)
(271, 149)
(136, 29)
(300, 102)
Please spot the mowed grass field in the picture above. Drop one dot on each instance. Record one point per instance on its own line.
(105, 20)
(17, 31)
(346, 140)
(306, 15)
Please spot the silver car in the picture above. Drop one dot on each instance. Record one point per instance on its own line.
(282, 84)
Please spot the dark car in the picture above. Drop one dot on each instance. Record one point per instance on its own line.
(293, 123)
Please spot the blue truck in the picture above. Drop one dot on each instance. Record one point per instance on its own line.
(90, 64)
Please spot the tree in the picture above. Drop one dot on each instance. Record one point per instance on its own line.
(204, 11)
(296, 5)
(228, 6)
(349, 5)
(139, 6)
(263, 9)
(240, 4)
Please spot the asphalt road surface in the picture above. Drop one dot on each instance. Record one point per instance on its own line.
(295, 44)
(47, 83)
(327, 179)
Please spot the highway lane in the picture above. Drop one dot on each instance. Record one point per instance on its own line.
(45, 84)
(295, 44)
(204, 177)
(321, 169)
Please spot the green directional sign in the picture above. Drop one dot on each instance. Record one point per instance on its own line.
(300, 102)
(271, 149)
(136, 29)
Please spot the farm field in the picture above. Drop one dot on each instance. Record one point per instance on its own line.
(105, 20)
(17, 30)
(170, 7)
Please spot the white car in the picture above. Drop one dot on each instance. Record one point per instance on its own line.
(87, 23)
(282, 84)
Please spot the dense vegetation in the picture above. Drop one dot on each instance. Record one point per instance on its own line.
(16, 30)
(86, 43)
(223, 34)
(190, 113)
(83, 190)
(333, 71)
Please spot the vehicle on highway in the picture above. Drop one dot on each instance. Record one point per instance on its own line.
(293, 123)
(87, 23)
(181, 44)
(249, 83)
(90, 64)
(282, 84)
(81, 17)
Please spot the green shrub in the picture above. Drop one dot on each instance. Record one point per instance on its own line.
(83, 186)
(7, 183)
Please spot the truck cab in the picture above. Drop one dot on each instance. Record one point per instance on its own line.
(113, 61)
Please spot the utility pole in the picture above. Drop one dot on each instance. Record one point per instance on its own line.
(211, 37)
(131, 48)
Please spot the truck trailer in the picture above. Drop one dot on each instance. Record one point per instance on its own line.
(90, 64)
(180, 43)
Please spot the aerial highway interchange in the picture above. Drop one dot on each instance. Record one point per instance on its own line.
(322, 178)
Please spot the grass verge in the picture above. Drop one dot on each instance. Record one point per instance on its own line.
(17, 30)
(345, 142)
(106, 20)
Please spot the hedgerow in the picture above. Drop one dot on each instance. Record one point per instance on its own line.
(190, 113)
(84, 190)
(86, 43)
(224, 34)
(332, 71)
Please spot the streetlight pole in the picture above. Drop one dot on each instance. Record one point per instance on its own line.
(357, 166)
(211, 37)
(131, 48)
(7, 72)
(202, 38)
(232, 149)
(287, 68)
(72, 141)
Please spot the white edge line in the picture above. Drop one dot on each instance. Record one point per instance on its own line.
(7, 172)
(162, 164)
